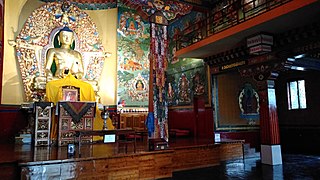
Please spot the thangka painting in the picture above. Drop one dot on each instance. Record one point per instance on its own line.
(38, 35)
(187, 79)
(133, 61)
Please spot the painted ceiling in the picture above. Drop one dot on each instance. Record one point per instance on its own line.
(105, 4)
(170, 8)
(90, 4)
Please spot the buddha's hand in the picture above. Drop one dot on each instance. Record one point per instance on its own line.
(49, 76)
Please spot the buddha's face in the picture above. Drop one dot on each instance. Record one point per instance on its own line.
(66, 37)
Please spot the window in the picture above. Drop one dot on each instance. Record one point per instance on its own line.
(296, 95)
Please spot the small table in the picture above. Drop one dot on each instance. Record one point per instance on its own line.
(116, 132)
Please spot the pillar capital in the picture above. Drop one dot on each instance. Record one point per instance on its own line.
(261, 72)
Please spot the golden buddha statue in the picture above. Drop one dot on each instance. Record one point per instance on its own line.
(66, 60)
(63, 60)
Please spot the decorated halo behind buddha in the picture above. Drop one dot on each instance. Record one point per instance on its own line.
(40, 34)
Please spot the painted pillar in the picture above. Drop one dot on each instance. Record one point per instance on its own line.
(158, 102)
(158, 63)
(269, 128)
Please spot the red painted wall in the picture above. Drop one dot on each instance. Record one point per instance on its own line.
(181, 119)
(12, 120)
(199, 123)
(251, 137)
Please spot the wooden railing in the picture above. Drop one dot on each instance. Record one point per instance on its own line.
(223, 18)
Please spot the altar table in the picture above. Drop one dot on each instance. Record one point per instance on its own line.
(117, 132)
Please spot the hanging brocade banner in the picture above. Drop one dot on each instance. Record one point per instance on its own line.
(159, 48)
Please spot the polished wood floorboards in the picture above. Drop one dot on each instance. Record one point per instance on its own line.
(28, 153)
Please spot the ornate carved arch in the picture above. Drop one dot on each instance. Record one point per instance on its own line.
(37, 35)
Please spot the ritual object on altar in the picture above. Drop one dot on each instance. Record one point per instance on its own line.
(105, 116)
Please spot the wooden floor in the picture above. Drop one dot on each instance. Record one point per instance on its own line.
(108, 161)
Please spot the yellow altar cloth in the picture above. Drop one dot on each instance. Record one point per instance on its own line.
(54, 94)
(54, 89)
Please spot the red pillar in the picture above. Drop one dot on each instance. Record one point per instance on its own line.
(269, 126)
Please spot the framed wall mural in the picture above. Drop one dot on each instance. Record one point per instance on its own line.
(133, 61)
(187, 79)
(235, 103)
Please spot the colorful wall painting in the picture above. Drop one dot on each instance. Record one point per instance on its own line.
(186, 79)
(170, 9)
(176, 27)
(91, 4)
(133, 61)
